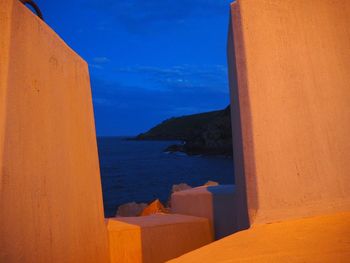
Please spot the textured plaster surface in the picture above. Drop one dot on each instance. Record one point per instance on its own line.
(50, 192)
(156, 238)
(213, 202)
(318, 239)
(290, 78)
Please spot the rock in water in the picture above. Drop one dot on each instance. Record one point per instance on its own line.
(175, 148)
(180, 187)
(177, 188)
(211, 183)
(154, 208)
(130, 209)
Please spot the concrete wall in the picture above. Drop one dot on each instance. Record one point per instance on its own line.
(322, 239)
(156, 238)
(50, 192)
(290, 87)
(211, 202)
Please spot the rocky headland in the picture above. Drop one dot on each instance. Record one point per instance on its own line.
(206, 133)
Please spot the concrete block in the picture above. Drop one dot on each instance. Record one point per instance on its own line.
(317, 239)
(155, 238)
(212, 202)
(289, 80)
(50, 191)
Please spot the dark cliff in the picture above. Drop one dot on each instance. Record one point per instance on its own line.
(203, 133)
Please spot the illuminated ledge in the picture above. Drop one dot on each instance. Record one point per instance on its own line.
(317, 239)
(156, 238)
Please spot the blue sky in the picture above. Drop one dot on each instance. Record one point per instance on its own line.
(149, 60)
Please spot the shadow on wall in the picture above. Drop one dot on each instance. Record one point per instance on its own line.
(244, 168)
(216, 203)
(224, 210)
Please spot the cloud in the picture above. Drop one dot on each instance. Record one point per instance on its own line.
(122, 105)
(95, 66)
(142, 15)
(184, 78)
(100, 60)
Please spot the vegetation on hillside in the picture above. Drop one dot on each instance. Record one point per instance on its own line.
(203, 133)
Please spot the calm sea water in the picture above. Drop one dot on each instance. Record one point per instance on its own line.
(140, 171)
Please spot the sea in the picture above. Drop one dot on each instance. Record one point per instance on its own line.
(141, 171)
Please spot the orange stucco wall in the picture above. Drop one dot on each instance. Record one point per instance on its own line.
(50, 192)
(290, 91)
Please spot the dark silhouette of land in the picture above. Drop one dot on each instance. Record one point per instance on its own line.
(206, 133)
